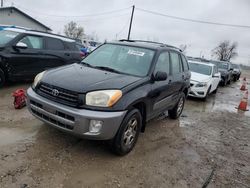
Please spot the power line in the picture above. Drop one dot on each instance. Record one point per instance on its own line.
(85, 19)
(75, 16)
(193, 20)
(117, 34)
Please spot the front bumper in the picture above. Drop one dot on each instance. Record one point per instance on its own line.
(199, 92)
(73, 120)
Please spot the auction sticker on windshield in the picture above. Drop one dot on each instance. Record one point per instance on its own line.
(138, 53)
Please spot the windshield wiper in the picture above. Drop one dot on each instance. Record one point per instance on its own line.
(87, 64)
(107, 69)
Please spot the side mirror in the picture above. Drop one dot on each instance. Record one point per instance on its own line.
(231, 69)
(21, 45)
(160, 76)
(216, 75)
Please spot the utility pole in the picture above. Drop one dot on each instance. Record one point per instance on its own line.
(1, 3)
(131, 21)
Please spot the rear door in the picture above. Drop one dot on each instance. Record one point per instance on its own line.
(162, 90)
(55, 53)
(27, 62)
(178, 75)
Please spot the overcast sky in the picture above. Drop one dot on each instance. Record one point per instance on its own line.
(200, 38)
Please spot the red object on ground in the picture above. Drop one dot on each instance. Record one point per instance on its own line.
(243, 102)
(244, 85)
(19, 98)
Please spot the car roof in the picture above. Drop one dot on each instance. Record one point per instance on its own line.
(202, 63)
(216, 61)
(33, 32)
(145, 44)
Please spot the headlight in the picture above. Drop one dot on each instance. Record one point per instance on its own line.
(201, 84)
(37, 79)
(104, 98)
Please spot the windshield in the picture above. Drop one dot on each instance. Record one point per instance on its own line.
(200, 68)
(6, 36)
(223, 66)
(124, 59)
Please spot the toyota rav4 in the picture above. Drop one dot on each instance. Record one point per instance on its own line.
(113, 92)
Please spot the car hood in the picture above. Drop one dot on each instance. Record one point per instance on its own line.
(197, 77)
(82, 79)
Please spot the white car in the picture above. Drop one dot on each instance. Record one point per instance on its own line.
(205, 79)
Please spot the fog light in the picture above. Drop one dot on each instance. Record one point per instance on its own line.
(95, 126)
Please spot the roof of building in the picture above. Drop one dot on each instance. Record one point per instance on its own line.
(26, 15)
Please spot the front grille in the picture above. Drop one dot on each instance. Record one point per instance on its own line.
(58, 94)
(53, 118)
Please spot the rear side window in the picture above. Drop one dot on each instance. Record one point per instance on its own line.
(73, 46)
(54, 44)
(176, 63)
(33, 42)
(163, 63)
(185, 63)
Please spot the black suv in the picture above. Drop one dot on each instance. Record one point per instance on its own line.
(113, 92)
(25, 53)
(236, 72)
(226, 70)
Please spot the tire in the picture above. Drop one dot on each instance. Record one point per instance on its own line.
(235, 78)
(122, 144)
(223, 83)
(229, 82)
(177, 110)
(207, 94)
(2, 78)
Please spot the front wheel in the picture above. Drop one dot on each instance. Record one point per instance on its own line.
(128, 133)
(177, 110)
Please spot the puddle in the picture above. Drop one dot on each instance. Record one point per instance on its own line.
(14, 135)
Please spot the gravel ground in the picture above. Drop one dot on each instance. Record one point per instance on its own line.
(210, 140)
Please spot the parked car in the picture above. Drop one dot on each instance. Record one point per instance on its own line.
(236, 72)
(205, 79)
(25, 53)
(226, 70)
(113, 92)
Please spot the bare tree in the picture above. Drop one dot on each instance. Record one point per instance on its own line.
(74, 31)
(225, 50)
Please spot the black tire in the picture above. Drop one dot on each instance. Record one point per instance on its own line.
(229, 82)
(118, 144)
(235, 78)
(177, 110)
(2, 78)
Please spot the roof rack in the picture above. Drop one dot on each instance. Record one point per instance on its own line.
(152, 42)
(50, 33)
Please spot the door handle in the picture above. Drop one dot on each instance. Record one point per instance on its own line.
(169, 81)
(67, 54)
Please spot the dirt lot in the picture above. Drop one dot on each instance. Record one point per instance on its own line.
(210, 138)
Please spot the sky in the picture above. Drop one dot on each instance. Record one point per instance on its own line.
(199, 38)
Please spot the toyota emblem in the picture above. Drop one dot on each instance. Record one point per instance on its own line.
(55, 92)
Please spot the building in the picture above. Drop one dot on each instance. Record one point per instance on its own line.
(12, 16)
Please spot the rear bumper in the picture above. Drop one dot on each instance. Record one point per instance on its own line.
(72, 120)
